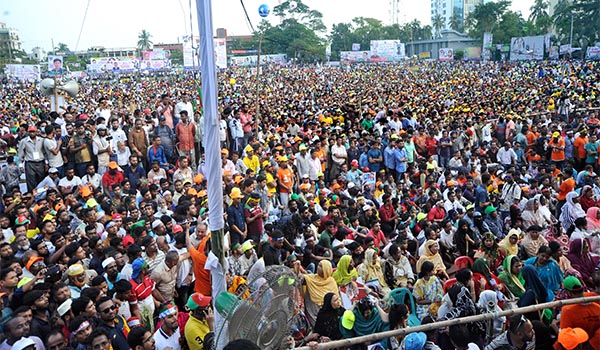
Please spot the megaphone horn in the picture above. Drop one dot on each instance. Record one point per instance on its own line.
(70, 87)
(47, 86)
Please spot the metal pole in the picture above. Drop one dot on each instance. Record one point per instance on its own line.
(571, 39)
(260, 37)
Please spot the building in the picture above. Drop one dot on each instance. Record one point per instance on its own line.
(10, 42)
(38, 54)
(169, 47)
(450, 39)
(447, 9)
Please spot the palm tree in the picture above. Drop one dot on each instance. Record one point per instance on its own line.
(438, 24)
(144, 43)
(456, 22)
(538, 10)
(62, 47)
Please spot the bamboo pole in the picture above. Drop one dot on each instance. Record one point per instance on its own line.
(343, 343)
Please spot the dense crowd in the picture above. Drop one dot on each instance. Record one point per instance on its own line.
(399, 194)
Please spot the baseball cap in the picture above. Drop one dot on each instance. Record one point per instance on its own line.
(570, 338)
(302, 147)
(197, 300)
(52, 171)
(348, 319)
(101, 127)
(113, 165)
(246, 246)
(236, 193)
(31, 129)
(137, 266)
(64, 307)
(555, 134)
(354, 162)
(32, 261)
(23, 343)
(415, 341)
(490, 209)
(572, 284)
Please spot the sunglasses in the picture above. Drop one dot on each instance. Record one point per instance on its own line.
(110, 308)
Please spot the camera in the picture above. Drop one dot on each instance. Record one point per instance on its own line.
(108, 138)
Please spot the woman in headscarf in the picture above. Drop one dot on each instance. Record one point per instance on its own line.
(535, 291)
(548, 270)
(489, 251)
(366, 318)
(511, 276)
(317, 286)
(431, 253)
(582, 260)
(545, 211)
(593, 224)
(465, 238)
(481, 269)
(571, 210)
(327, 326)
(371, 269)
(345, 272)
(488, 302)
(510, 244)
(586, 199)
(428, 291)
(531, 214)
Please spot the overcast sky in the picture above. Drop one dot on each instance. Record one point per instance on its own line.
(117, 23)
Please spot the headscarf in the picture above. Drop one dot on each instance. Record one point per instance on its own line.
(570, 211)
(319, 286)
(534, 284)
(592, 218)
(371, 270)
(481, 266)
(507, 247)
(514, 283)
(328, 319)
(584, 263)
(436, 259)
(531, 216)
(342, 276)
(492, 251)
(239, 282)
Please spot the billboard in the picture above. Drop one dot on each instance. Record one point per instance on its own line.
(112, 64)
(156, 54)
(593, 53)
(527, 48)
(472, 54)
(155, 65)
(220, 53)
(387, 50)
(55, 65)
(249, 61)
(446, 54)
(28, 72)
(354, 56)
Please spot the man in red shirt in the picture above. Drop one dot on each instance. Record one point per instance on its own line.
(388, 215)
(378, 236)
(112, 177)
(437, 213)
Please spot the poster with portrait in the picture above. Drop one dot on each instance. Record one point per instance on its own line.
(55, 66)
(527, 48)
(446, 54)
(25, 72)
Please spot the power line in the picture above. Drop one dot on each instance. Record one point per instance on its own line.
(247, 17)
(82, 24)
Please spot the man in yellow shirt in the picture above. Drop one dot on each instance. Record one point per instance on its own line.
(200, 328)
(251, 160)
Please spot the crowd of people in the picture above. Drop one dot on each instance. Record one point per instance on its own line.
(400, 195)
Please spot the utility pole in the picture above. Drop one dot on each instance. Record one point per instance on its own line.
(571, 39)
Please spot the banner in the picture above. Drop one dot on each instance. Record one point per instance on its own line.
(155, 65)
(488, 38)
(355, 47)
(387, 50)
(221, 53)
(472, 54)
(527, 48)
(446, 54)
(55, 65)
(250, 61)
(156, 54)
(565, 49)
(112, 64)
(354, 56)
(593, 53)
(424, 55)
(28, 72)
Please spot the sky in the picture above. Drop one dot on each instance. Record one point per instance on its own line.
(117, 23)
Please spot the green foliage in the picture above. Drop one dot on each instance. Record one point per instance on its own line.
(584, 14)
(144, 43)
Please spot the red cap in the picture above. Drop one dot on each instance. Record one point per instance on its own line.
(128, 241)
(31, 129)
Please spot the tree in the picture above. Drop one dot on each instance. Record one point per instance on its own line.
(438, 24)
(584, 15)
(487, 17)
(539, 17)
(456, 23)
(144, 43)
(313, 19)
(62, 48)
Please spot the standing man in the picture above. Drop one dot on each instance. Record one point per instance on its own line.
(185, 132)
(184, 105)
(80, 148)
(138, 142)
(102, 149)
(31, 151)
(166, 135)
(247, 123)
(338, 157)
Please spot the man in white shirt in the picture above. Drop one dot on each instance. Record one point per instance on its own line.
(117, 134)
(184, 105)
(338, 156)
(506, 155)
(70, 183)
(103, 110)
(167, 336)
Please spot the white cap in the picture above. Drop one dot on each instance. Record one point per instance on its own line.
(64, 307)
(156, 223)
(107, 262)
(22, 344)
(350, 185)
(366, 207)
